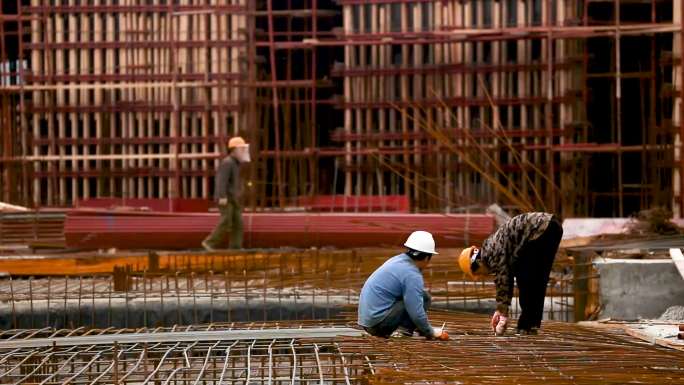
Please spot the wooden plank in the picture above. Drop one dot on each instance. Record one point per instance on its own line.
(123, 35)
(72, 97)
(98, 32)
(60, 100)
(85, 99)
(418, 92)
(141, 34)
(115, 184)
(677, 108)
(38, 60)
(348, 120)
(643, 335)
(678, 259)
(523, 85)
(469, 188)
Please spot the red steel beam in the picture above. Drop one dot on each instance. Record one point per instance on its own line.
(134, 230)
(456, 133)
(138, 140)
(454, 101)
(124, 172)
(444, 68)
(454, 35)
(681, 115)
(84, 78)
(362, 2)
(139, 44)
(163, 9)
(133, 107)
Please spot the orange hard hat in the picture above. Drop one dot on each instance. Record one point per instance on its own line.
(465, 261)
(236, 141)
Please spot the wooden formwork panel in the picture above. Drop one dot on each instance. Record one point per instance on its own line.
(396, 94)
(677, 73)
(122, 89)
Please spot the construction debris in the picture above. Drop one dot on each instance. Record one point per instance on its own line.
(673, 313)
(655, 221)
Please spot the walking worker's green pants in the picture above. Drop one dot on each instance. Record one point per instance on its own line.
(230, 223)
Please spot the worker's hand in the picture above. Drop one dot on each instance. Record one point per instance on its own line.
(499, 323)
(223, 201)
(440, 334)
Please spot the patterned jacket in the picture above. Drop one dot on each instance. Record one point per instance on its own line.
(500, 251)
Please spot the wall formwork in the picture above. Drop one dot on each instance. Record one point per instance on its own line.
(564, 105)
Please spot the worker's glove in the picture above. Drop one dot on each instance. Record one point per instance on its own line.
(499, 323)
(223, 201)
(440, 334)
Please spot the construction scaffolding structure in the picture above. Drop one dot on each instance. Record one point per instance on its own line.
(564, 105)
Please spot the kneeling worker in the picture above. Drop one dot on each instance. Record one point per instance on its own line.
(523, 248)
(394, 295)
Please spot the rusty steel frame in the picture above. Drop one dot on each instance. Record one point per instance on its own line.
(230, 287)
(287, 105)
(561, 354)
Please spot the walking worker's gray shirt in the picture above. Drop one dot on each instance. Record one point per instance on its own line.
(227, 184)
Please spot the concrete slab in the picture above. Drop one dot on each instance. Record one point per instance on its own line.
(638, 289)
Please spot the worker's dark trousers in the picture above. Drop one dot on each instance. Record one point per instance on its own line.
(397, 316)
(230, 223)
(532, 274)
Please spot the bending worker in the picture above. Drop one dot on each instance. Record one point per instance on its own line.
(394, 296)
(522, 249)
(227, 194)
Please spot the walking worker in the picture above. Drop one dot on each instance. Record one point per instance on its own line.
(523, 249)
(394, 296)
(227, 195)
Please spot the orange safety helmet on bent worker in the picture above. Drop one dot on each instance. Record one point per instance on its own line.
(469, 264)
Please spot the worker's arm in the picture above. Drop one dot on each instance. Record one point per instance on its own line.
(226, 181)
(497, 256)
(504, 289)
(413, 300)
(221, 181)
(500, 251)
(233, 187)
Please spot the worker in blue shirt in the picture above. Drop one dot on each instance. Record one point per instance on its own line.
(394, 296)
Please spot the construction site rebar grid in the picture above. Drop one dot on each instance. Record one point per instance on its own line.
(562, 353)
(274, 361)
(192, 289)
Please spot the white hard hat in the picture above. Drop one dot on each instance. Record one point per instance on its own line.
(421, 241)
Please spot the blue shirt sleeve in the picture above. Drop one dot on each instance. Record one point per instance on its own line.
(413, 301)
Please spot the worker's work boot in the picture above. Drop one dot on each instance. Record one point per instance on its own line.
(402, 332)
(527, 332)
